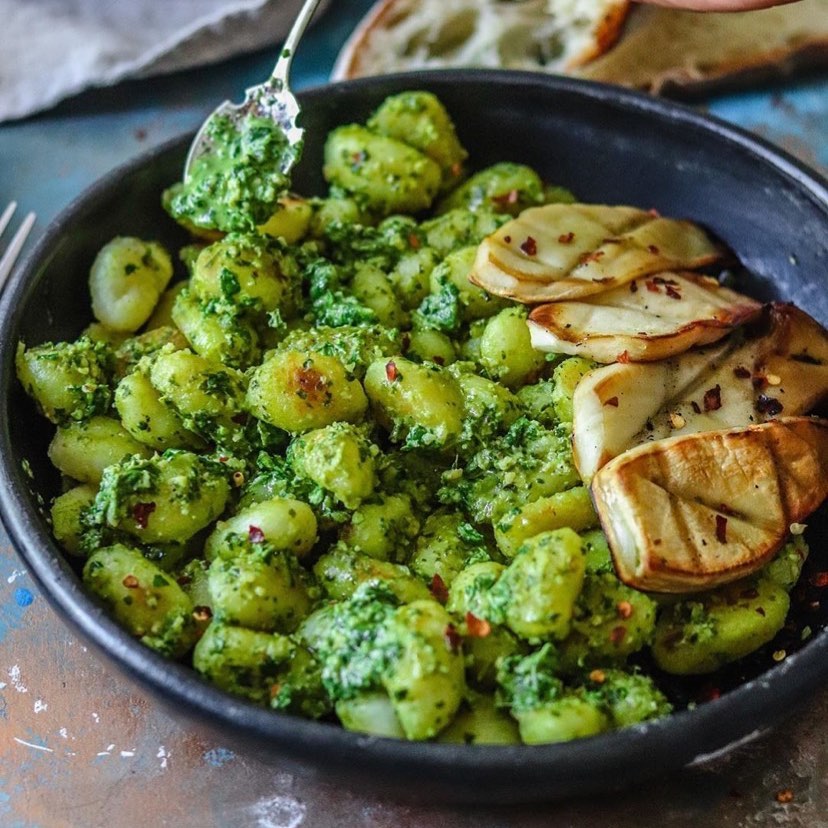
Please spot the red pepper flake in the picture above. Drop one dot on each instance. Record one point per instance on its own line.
(223, 458)
(439, 589)
(439, 360)
(529, 246)
(672, 292)
(141, 513)
(275, 690)
(413, 240)
(623, 357)
(695, 406)
(721, 528)
(759, 382)
(624, 609)
(653, 249)
(595, 256)
(240, 418)
(652, 285)
(566, 238)
(820, 579)
(130, 582)
(741, 372)
(255, 534)
(183, 580)
(713, 398)
(784, 796)
(769, 406)
(506, 198)
(613, 401)
(202, 613)
(617, 635)
(391, 372)
(633, 286)
(507, 239)
(477, 627)
(452, 638)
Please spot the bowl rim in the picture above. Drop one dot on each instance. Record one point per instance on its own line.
(682, 738)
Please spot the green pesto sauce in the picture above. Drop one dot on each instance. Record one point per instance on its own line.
(359, 644)
(236, 185)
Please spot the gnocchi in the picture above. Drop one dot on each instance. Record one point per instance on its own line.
(315, 462)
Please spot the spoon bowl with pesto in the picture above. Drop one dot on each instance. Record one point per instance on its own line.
(240, 159)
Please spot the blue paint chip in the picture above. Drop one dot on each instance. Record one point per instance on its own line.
(217, 757)
(23, 597)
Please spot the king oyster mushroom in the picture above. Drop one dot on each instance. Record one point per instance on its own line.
(696, 511)
(645, 320)
(567, 251)
(778, 366)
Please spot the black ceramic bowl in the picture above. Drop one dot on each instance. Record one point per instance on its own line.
(606, 145)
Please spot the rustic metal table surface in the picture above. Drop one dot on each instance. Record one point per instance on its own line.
(81, 746)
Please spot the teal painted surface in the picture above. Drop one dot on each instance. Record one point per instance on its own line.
(794, 116)
(17, 594)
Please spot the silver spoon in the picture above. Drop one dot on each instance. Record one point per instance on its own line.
(271, 99)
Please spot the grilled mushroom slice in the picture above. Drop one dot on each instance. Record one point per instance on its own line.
(566, 251)
(779, 366)
(791, 373)
(646, 320)
(693, 512)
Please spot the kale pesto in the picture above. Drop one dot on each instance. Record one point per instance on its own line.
(359, 646)
(236, 185)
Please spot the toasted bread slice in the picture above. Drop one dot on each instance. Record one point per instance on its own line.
(647, 320)
(657, 49)
(545, 35)
(779, 368)
(672, 51)
(567, 251)
(694, 512)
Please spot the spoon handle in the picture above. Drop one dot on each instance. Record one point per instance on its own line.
(279, 77)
